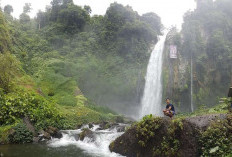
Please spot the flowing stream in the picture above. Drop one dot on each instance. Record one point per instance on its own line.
(69, 145)
(152, 96)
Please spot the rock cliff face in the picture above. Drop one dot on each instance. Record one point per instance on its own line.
(211, 77)
(160, 137)
(176, 74)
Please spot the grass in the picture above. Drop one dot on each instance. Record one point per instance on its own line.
(221, 108)
(78, 115)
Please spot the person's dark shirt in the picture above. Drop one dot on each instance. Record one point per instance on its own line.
(172, 107)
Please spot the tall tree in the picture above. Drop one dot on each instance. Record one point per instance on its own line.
(88, 9)
(9, 67)
(27, 8)
(8, 9)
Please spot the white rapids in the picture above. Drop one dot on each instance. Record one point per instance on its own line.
(98, 146)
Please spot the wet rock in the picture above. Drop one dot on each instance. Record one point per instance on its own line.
(54, 132)
(79, 126)
(86, 133)
(46, 135)
(90, 125)
(76, 136)
(121, 128)
(103, 125)
(37, 139)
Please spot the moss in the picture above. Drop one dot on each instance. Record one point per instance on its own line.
(170, 144)
(111, 146)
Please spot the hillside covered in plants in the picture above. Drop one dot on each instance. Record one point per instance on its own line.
(57, 68)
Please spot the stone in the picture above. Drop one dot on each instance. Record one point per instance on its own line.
(86, 133)
(29, 125)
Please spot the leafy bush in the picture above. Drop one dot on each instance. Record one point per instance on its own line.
(216, 140)
(21, 134)
(17, 105)
(146, 128)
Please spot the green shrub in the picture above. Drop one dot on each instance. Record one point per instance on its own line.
(20, 134)
(216, 140)
(19, 104)
(146, 129)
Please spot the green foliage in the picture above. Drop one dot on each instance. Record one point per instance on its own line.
(20, 134)
(170, 143)
(216, 140)
(5, 42)
(24, 18)
(17, 105)
(4, 132)
(78, 115)
(203, 110)
(146, 129)
(81, 100)
(9, 68)
(64, 48)
(207, 38)
(8, 9)
(27, 8)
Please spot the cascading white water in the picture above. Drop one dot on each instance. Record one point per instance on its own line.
(97, 146)
(152, 96)
(192, 108)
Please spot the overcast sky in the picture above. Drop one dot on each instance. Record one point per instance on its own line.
(170, 11)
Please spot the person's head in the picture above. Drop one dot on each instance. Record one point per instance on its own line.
(168, 101)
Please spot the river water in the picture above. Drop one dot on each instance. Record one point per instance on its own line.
(69, 145)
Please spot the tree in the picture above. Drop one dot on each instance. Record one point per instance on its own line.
(27, 8)
(8, 9)
(88, 9)
(5, 44)
(153, 20)
(73, 18)
(66, 2)
(56, 2)
(9, 68)
(24, 18)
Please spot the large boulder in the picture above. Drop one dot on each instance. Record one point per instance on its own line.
(157, 137)
(129, 143)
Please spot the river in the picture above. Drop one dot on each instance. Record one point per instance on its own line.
(69, 145)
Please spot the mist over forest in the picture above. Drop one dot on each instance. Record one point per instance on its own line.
(66, 67)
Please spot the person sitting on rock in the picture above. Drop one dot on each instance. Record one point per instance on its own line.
(170, 110)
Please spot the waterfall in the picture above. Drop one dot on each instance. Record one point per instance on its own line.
(191, 92)
(152, 95)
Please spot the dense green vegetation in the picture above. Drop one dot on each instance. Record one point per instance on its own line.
(206, 38)
(105, 56)
(207, 31)
(55, 68)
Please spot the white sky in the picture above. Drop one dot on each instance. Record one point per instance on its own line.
(170, 11)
